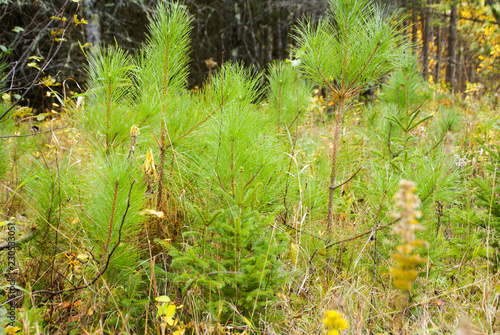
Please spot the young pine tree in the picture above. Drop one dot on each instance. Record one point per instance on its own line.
(356, 43)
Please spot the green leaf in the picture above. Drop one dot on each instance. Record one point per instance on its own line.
(419, 122)
(17, 29)
(41, 117)
(376, 152)
(4, 49)
(162, 298)
(396, 121)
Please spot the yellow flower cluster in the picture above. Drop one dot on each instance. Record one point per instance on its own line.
(406, 205)
(407, 202)
(334, 321)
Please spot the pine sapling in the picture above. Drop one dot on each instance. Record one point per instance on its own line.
(355, 44)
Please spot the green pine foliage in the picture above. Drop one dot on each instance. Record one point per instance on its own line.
(405, 86)
(355, 44)
(111, 221)
(488, 194)
(50, 183)
(163, 63)
(240, 142)
(162, 69)
(236, 263)
(240, 168)
(404, 100)
(288, 94)
(488, 188)
(5, 127)
(109, 115)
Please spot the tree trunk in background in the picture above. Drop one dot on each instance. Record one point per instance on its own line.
(452, 49)
(234, 11)
(414, 31)
(269, 31)
(279, 34)
(426, 36)
(93, 27)
(437, 73)
(257, 59)
(460, 70)
(470, 70)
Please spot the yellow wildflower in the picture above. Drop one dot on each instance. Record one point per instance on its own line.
(334, 321)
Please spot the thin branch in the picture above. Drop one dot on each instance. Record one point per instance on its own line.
(361, 235)
(345, 182)
(35, 133)
(364, 67)
(47, 62)
(283, 222)
(111, 220)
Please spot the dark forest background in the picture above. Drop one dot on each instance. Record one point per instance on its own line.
(41, 34)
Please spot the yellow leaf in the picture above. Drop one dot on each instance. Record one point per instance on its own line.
(36, 58)
(33, 64)
(149, 167)
(83, 257)
(83, 21)
(248, 322)
(9, 330)
(56, 32)
(6, 97)
(152, 212)
(58, 18)
(169, 315)
(49, 81)
(23, 112)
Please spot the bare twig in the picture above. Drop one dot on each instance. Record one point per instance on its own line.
(34, 133)
(361, 235)
(47, 62)
(333, 188)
